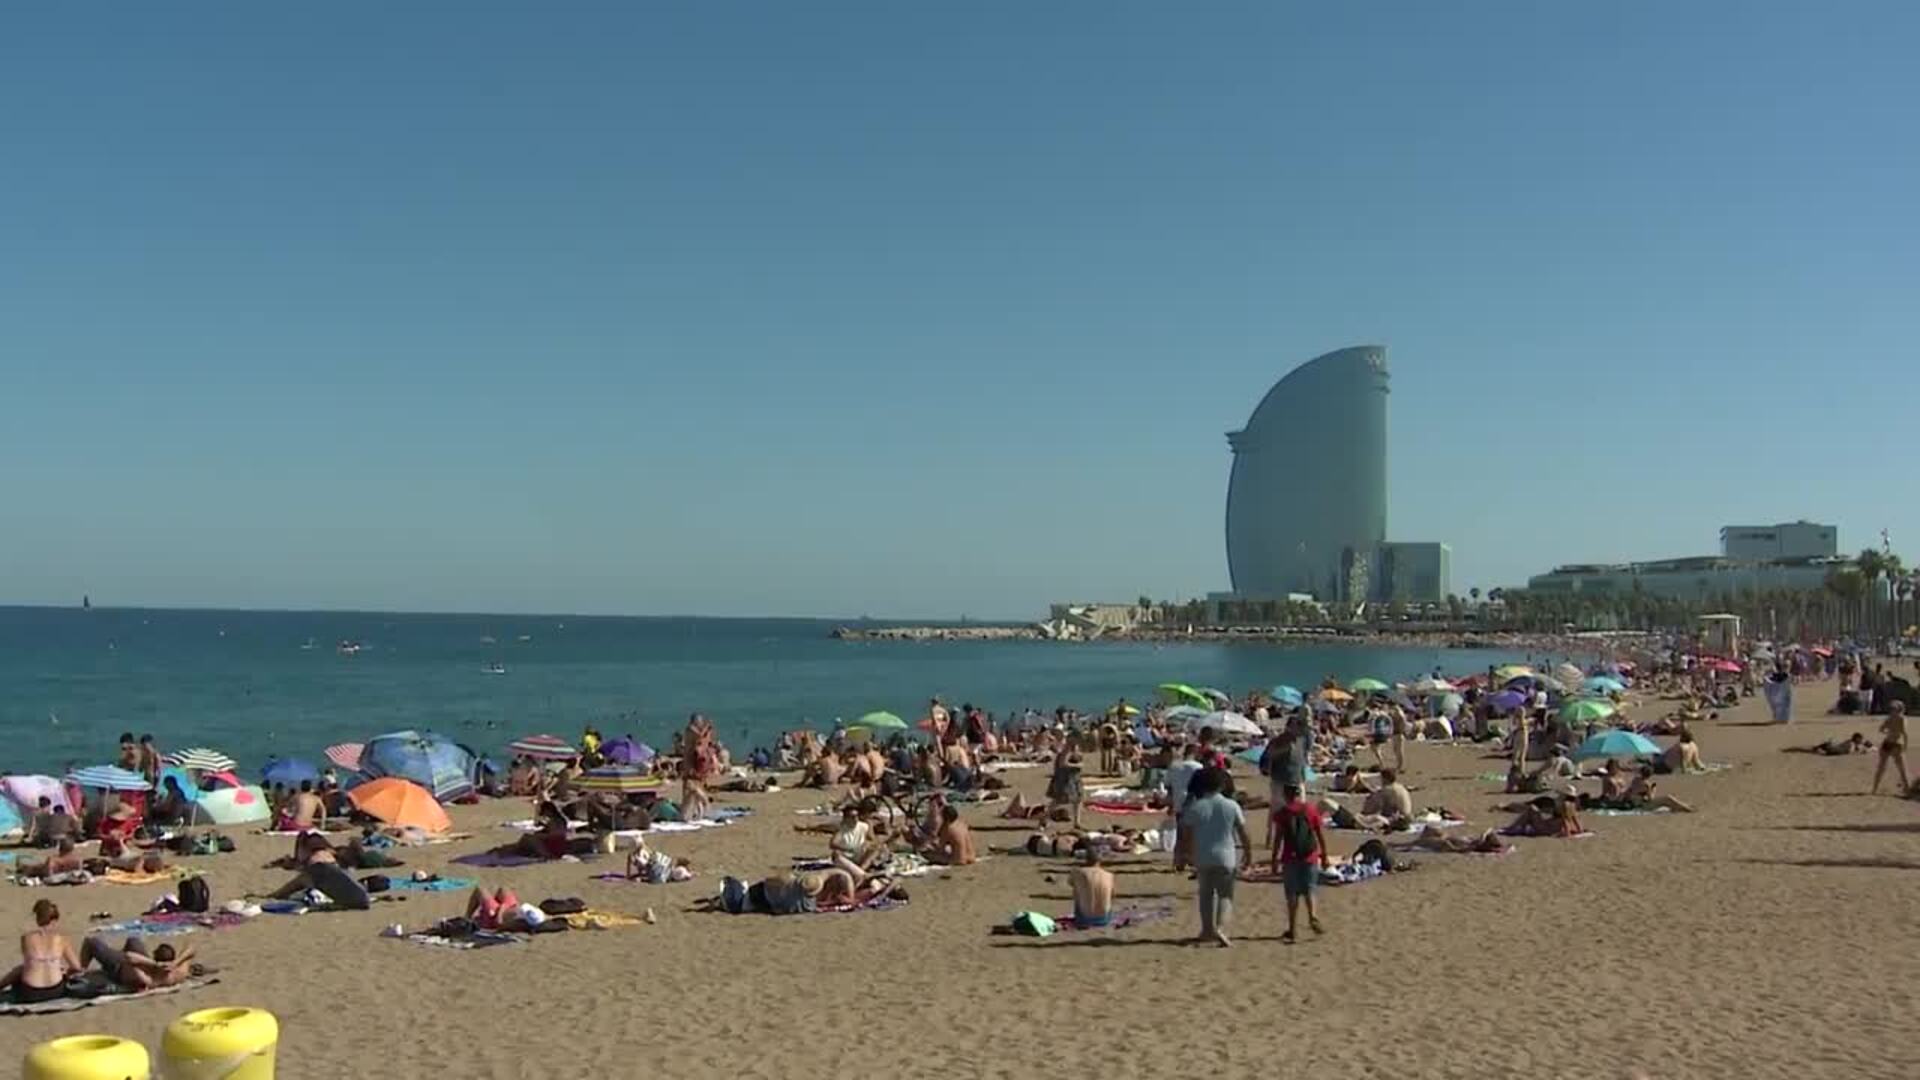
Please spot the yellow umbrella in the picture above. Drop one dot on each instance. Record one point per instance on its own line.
(1338, 697)
(1511, 672)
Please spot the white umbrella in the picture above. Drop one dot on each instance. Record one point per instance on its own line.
(1225, 723)
(1432, 684)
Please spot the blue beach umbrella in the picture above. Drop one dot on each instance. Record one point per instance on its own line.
(109, 778)
(1616, 743)
(1287, 695)
(421, 757)
(1604, 684)
(1183, 713)
(289, 771)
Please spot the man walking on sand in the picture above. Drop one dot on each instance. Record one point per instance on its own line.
(1213, 840)
(1299, 851)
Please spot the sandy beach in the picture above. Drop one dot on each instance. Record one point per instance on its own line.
(1769, 934)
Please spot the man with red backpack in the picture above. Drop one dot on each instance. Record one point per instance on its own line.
(1299, 844)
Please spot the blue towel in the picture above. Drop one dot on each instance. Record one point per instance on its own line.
(436, 885)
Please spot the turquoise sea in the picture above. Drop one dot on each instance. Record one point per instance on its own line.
(254, 683)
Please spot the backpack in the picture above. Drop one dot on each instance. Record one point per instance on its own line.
(195, 895)
(1299, 833)
(570, 905)
(376, 883)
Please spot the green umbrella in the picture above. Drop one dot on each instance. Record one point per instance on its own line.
(1182, 694)
(880, 720)
(1367, 686)
(1586, 710)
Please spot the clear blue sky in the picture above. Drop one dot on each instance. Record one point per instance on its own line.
(921, 309)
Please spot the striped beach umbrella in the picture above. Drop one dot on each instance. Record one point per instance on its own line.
(109, 777)
(200, 759)
(543, 748)
(617, 778)
(346, 755)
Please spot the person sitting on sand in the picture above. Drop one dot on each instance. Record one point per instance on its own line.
(1092, 886)
(553, 840)
(1393, 801)
(1433, 838)
(852, 848)
(500, 911)
(523, 778)
(303, 811)
(51, 824)
(1682, 757)
(1546, 816)
(825, 772)
(1643, 795)
(953, 844)
(1857, 743)
(1349, 782)
(46, 959)
(656, 867)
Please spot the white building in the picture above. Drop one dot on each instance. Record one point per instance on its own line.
(1788, 540)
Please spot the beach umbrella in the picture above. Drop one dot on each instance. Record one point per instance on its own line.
(228, 806)
(1604, 684)
(874, 721)
(1127, 710)
(1616, 743)
(1728, 666)
(1219, 698)
(1335, 695)
(26, 791)
(1367, 686)
(109, 778)
(1586, 710)
(11, 823)
(200, 759)
(544, 748)
(1567, 674)
(1287, 695)
(617, 778)
(346, 755)
(288, 771)
(1510, 672)
(1448, 705)
(1225, 723)
(1183, 713)
(1507, 700)
(400, 802)
(1433, 684)
(627, 751)
(1182, 694)
(437, 764)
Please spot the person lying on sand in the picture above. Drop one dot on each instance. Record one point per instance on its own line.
(1431, 838)
(64, 860)
(133, 967)
(1546, 816)
(1021, 808)
(500, 911)
(953, 844)
(656, 867)
(805, 892)
(1856, 744)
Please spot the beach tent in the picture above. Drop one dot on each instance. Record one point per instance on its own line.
(229, 806)
(12, 824)
(434, 763)
(289, 771)
(25, 792)
(400, 802)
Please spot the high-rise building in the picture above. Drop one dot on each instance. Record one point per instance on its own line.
(1307, 502)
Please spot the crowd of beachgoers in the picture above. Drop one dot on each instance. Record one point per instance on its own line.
(1230, 788)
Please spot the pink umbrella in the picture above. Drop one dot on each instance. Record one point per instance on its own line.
(1728, 666)
(346, 755)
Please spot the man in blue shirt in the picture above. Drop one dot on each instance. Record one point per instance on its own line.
(1213, 840)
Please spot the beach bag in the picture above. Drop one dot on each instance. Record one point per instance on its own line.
(1299, 834)
(1034, 924)
(195, 895)
(376, 883)
(566, 905)
(226, 845)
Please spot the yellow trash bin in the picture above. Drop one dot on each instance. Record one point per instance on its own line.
(87, 1057)
(221, 1044)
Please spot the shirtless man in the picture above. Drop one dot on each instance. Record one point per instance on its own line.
(305, 811)
(1092, 890)
(1642, 794)
(1893, 746)
(953, 844)
(133, 967)
(1391, 801)
(64, 861)
(824, 773)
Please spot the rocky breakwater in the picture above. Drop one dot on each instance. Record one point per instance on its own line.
(937, 633)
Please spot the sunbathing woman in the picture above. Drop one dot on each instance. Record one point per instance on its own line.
(1857, 744)
(1546, 816)
(46, 959)
(1431, 838)
(1681, 757)
(1642, 795)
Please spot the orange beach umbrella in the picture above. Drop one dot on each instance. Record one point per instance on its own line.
(400, 802)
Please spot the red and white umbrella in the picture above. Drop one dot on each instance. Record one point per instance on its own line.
(346, 755)
(543, 748)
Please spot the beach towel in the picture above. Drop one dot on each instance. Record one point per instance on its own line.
(479, 939)
(436, 885)
(498, 860)
(885, 904)
(1123, 919)
(69, 1004)
(598, 919)
(1609, 811)
(135, 877)
(168, 924)
(1123, 808)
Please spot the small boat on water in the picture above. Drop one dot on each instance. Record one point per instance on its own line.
(308, 645)
(347, 648)
(486, 639)
(495, 668)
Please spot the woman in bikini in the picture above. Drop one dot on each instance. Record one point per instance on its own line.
(1893, 746)
(46, 959)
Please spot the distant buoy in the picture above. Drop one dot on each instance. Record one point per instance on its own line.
(87, 1057)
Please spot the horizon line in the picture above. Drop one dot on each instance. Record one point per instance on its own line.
(220, 609)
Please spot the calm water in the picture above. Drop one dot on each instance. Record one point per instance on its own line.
(243, 683)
